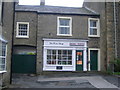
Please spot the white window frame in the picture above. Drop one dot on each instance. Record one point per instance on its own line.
(57, 60)
(98, 27)
(58, 25)
(0, 11)
(17, 32)
(5, 60)
(99, 64)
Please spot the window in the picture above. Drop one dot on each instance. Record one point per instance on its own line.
(93, 28)
(0, 11)
(22, 29)
(2, 56)
(64, 26)
(59, 57)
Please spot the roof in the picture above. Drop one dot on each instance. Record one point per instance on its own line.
(55, 10)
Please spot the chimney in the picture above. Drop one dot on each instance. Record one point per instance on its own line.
(16, 2)
(42, 2)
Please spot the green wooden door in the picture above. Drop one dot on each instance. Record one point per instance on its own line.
(24, 64)
(79, 60)
(94, 60)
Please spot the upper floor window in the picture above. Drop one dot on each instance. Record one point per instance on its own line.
(64, 26)
(94, 27)
(22, 29)
(3, 49)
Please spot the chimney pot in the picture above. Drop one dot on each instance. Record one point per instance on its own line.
(42, 3)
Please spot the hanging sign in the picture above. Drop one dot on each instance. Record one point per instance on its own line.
(79, 62)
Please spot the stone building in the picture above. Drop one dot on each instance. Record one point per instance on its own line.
(6, 30)
(65, 38)
(109, 20)
(52, 38)
(62, 39)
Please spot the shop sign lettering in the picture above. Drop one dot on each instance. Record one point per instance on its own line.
(76, 44)
(56, 43)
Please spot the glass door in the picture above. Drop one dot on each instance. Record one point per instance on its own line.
(79, 60)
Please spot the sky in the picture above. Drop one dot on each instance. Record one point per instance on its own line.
(67, 3)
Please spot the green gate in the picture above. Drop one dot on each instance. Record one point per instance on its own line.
(24, 64)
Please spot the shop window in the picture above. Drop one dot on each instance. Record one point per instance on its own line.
(22, 29)
(64, 26)
(93, 30)
(2, 56)
(59, 57)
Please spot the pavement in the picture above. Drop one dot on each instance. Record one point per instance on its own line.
(66, 80)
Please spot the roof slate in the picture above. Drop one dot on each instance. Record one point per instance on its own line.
(56, 9)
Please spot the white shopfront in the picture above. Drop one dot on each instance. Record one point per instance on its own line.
(61, 55)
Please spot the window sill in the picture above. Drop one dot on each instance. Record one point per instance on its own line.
(22, 37)
(64, 35)
(1, 72)
(93, 36)
(58, 65)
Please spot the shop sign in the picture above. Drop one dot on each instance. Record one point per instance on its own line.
(56, 43)
(59, 67)
(76, 44)
(79, 62)
(64, 44)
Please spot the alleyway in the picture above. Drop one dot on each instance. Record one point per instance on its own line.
(67, 80)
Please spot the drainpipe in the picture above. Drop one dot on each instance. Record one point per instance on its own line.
(115, 28)
(14, 3)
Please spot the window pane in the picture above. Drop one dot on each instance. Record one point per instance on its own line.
(23, 29)
(64, 62)
(93, 31)
(64, 22)
(48, 62)
(53, 57)
(3, 49)
(48, 52)
(69, 52)
(23, 26)
(0, 49)
(3, 56)
(59, 52)
(59, 62)
(64, 30)
(69, 58)
(93, 23)
(2, 67)
(65, 52)
(2, 61)
(53, 52)
(49, 57)
(59, 57)
(69, 62)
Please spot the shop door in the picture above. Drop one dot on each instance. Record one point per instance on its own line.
(79, 60)
(94, 60)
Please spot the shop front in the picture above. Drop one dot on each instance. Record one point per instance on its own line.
(65, 55)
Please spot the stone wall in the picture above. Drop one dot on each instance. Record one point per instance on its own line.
(99, 7)
(7, 31)
(30, 17)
